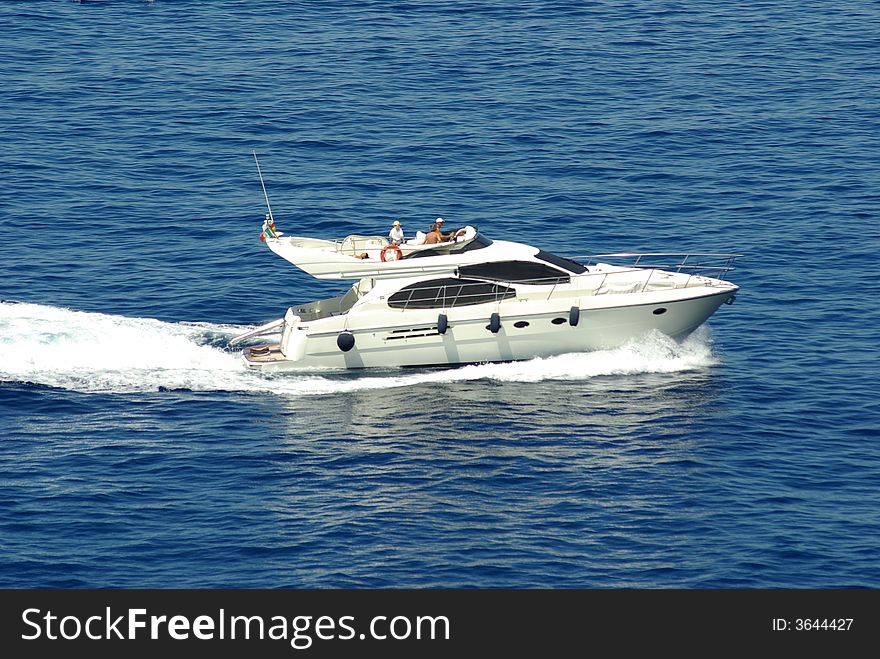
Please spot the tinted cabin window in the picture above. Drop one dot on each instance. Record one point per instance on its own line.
(562, 262)
(523, 272)
(440, 293)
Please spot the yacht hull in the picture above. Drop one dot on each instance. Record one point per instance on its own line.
(523, 331)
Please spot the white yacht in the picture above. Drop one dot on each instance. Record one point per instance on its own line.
(473, 299)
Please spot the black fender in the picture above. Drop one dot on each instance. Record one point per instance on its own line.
(494, 323)
(345, 341)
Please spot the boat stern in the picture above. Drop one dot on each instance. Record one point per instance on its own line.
(272, 355)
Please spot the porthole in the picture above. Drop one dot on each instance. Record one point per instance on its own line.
(559, 321)
(660, 311)
(521, 323)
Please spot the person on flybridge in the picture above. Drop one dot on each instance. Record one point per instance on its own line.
(395, 237)
(436, 235)
(444, 236)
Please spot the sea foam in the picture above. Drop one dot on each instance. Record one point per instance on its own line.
(94, 352)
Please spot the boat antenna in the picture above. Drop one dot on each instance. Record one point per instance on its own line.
(264, 188)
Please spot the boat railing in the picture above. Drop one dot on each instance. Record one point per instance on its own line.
(355, 245)
(702, 263)
(448, 295)
(697, 265)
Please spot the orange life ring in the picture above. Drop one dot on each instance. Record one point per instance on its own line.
(396, 250)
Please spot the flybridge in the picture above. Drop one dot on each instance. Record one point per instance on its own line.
(357, 257)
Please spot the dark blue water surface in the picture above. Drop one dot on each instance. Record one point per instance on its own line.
(138, 452)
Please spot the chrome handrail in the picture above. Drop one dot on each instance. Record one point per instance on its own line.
(443, 294)
(688, 262)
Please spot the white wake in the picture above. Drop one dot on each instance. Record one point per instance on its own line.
(93, 352)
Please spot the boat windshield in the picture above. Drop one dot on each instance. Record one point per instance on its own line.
(562, 262)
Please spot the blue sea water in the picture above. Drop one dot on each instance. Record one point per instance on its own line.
(136, 451)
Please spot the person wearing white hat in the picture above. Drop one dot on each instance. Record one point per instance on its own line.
(396, 234)
(437, 230)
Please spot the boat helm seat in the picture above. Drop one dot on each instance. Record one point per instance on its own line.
(418, 240)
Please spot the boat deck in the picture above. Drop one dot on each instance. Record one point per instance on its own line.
(264, 354)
